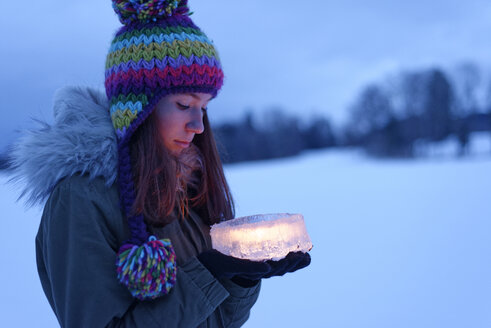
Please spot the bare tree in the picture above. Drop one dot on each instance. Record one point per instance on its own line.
(438, 105)
(466, 81)
(371, 111)
(413, 92)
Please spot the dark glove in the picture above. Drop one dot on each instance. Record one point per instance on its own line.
(224, 266)
(247, 272)
(292, 262)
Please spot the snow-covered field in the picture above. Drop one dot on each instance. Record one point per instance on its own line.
(396, 243)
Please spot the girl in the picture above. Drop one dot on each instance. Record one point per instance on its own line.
(133, 182)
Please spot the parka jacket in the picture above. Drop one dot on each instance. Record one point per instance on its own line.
(71, 167)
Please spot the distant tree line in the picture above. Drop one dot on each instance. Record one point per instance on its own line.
(275, 135)
(389, 118)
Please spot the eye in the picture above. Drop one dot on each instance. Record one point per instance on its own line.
(182, 106)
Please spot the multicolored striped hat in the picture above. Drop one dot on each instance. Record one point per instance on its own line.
(158, 51)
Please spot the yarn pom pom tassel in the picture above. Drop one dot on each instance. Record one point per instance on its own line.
(145, 11)
(149, 270)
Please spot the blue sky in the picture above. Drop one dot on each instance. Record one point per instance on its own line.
(306, 57)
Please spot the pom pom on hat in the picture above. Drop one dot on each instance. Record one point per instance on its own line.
(149, 270)
(148, 10)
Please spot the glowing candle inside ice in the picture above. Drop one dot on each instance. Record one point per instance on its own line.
(261, 237)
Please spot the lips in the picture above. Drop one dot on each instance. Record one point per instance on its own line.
(183, 144)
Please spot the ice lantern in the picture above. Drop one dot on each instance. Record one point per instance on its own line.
(261, 237)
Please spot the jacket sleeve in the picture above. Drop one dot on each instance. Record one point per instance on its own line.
(78, 251)
(236, 308)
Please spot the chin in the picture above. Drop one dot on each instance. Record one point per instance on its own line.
(176, 152)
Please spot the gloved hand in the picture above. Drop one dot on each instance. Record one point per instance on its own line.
(292, 262)
(247, 272)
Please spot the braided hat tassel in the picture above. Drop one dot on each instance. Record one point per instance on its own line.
(144, 264)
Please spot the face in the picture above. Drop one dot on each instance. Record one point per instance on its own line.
(181, 118)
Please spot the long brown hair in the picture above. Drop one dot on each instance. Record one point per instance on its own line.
(154, 172)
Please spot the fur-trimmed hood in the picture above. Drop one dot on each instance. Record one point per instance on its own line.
(81, 140)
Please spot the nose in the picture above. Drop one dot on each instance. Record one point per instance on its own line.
(195, 124)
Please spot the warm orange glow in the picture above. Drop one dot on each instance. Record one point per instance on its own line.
(262, 240)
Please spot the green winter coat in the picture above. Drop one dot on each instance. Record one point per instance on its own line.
(71, 167)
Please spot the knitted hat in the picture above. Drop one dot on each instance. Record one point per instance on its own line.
(158, 51)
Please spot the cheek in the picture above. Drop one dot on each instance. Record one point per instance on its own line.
(165, 130)
(170, 124)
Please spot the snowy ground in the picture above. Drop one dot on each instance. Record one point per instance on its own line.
(396, 243)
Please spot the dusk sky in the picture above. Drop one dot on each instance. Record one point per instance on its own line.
(305, 57)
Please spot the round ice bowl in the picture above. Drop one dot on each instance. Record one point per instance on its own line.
(261, 237)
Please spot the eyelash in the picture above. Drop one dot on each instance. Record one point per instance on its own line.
(186, 107)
